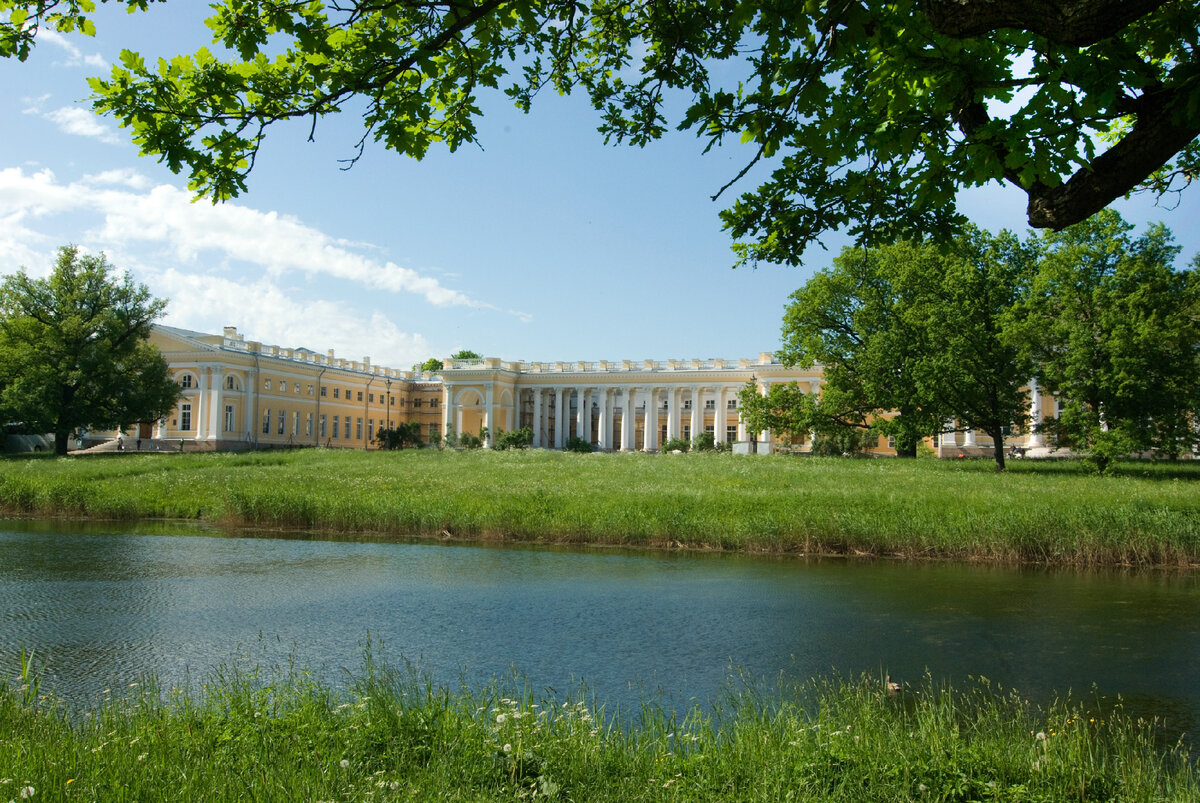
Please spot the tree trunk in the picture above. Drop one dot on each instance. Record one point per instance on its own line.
(998, 448)
(61, 439)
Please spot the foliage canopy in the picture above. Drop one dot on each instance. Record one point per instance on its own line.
(73, 350)
(871, 114)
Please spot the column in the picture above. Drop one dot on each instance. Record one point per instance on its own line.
(628, 420)
(216, 408)
(720, 420)
(587, 414)
(203, 403)
(580, 403)
(650, 435)
(765, 435)
(447, 403)
(537, 418)
(489, 416)
(560, 415)
(673, 404)
(697, 421)
(969, 438)
(610, 404)
(602, 418)
(947, 447)
(1035, 414)
(814, 390)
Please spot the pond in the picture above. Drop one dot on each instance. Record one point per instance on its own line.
(101, 606)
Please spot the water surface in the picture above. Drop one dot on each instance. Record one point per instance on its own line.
(101, 607)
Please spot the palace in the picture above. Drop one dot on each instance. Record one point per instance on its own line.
(240, 394)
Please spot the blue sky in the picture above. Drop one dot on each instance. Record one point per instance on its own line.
(545, 244)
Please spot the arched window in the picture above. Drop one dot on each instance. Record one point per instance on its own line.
(230, 383)
(185, 381)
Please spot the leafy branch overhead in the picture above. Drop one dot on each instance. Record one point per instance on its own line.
(870, 115)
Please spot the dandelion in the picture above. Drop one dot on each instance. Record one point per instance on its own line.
(500, 718)
(507, 747)
(142, 757)
(922, 787)
(1040, 736)
(27, 792)
(344, 763)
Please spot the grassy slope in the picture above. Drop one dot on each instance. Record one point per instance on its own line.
(1046, 512)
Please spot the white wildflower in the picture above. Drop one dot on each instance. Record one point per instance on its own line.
(344, 763)
(507, 747)
(27, 792)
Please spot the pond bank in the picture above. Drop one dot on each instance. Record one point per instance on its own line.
(1051, 513)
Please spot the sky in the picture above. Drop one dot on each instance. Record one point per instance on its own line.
(543, 244)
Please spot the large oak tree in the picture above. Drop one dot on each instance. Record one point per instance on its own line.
(872, 114)
(74, 350)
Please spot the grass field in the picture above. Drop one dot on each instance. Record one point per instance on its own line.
(390, 736)
(1141, 514)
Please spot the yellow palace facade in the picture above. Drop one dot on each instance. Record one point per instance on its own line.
(239, 394)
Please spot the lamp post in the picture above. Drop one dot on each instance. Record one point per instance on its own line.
(388, 383)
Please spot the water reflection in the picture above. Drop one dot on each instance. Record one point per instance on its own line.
(101, 608)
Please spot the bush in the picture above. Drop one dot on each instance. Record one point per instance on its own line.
(515, 439)
(705, 443)
(844, 441)
(676, 444)
(577, 444)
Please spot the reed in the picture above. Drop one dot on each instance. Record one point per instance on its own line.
(1142, 514)
(391, 735)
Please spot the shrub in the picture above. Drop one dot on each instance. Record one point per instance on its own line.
(705, 443)
(515, 439)
(676, 444)
(578, 444)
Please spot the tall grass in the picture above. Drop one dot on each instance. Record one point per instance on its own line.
(390, 735)
(1045, 512)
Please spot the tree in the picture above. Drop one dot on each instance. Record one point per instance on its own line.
(399, 436)
(521, 438)
(853, 319)
(74, 350)
(977, 365)
(466, 354)
(910, 336)
(785, 409)
(872, 114)
(1113, 329)
(429, 366)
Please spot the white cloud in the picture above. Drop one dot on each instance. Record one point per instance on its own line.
(208, 304)
(167, 216)
(75, 56)
(81, 122)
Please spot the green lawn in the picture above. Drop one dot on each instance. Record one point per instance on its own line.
(1045, 512)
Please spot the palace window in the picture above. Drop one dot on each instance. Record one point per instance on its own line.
(185, 416)
(370, 398)
(687, 404)
(230, 383)
(348, 424)
(417, 403)
(266, 384)
(323, 430)
(370, 431)
(731, 404)
(336, 391)
(310, 390)
(324, 391)
(308, 426)
(709, 429)
(296, 424)
(185, 381)
(402, 401)
(267, 422)
(433, 402)
(687, 432)
(297, 388)
(731, 434)
(359, 396)
(358, 429)
(229, 418)
(710, 404)
(337, 420)
(282, 427)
